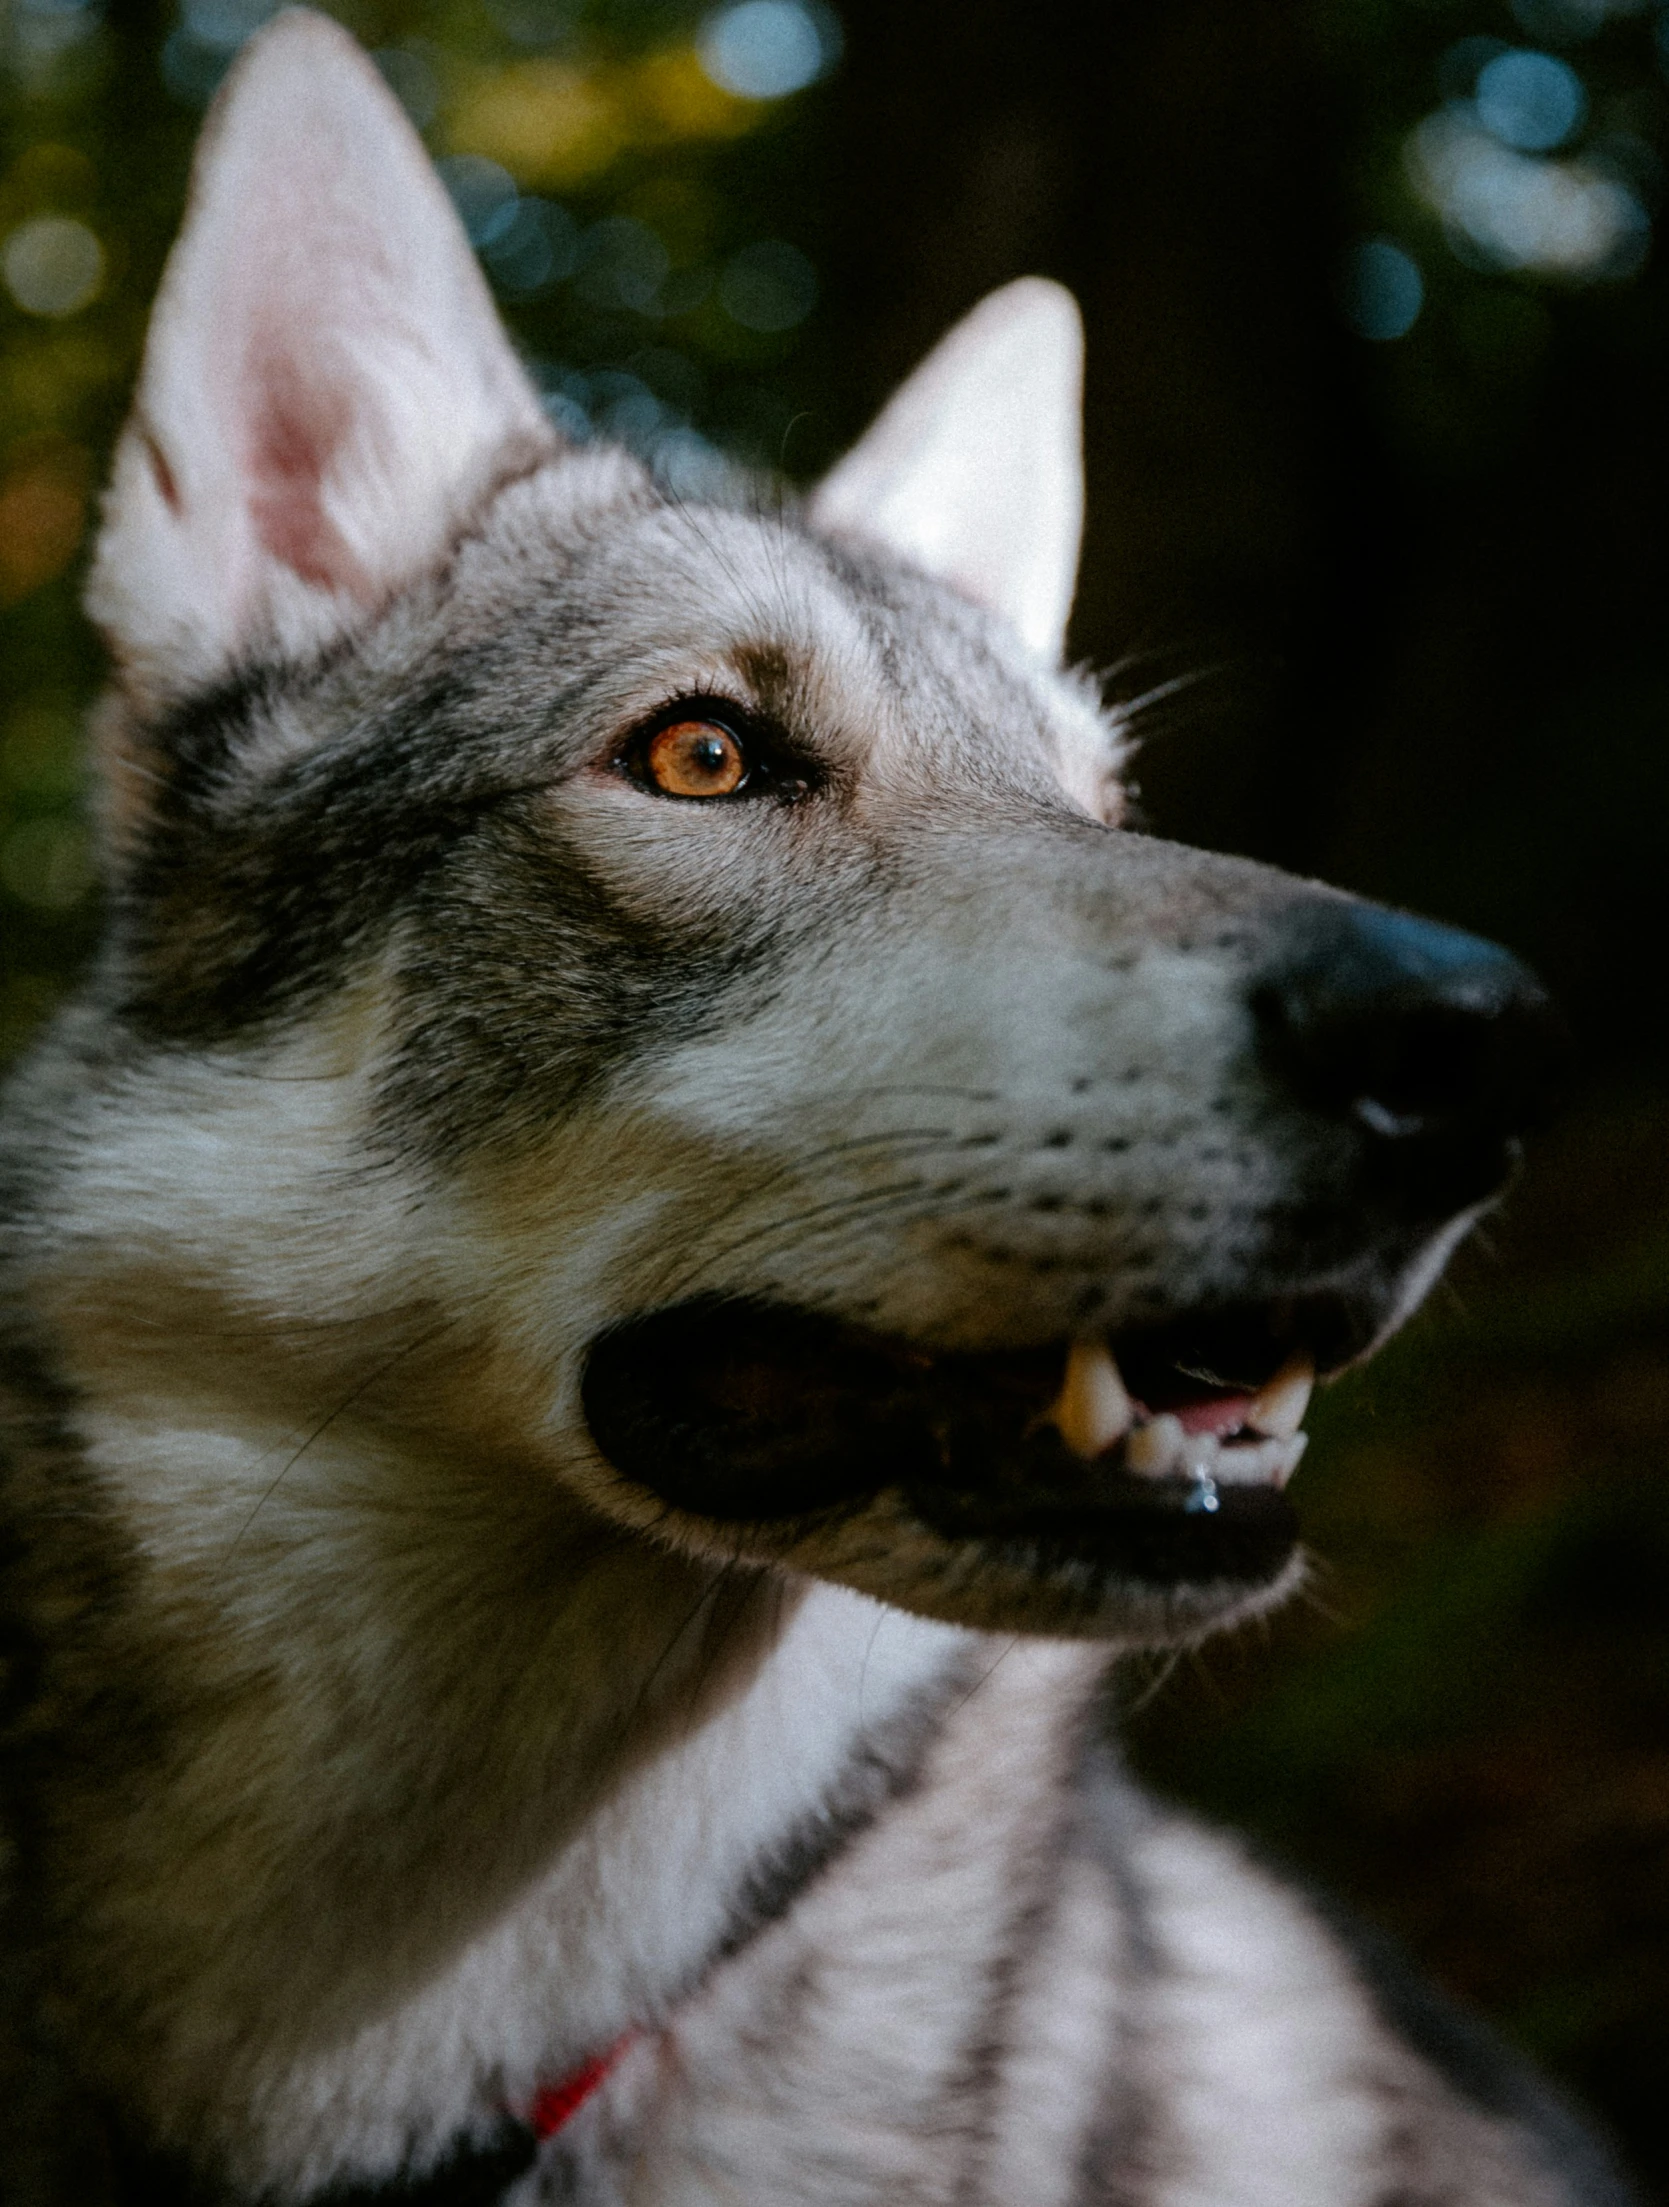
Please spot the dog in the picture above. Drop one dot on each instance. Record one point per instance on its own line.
(652, 1241)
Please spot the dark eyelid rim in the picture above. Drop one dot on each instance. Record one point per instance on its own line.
(777, 766)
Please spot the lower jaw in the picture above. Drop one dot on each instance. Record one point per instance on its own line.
(1142, 1581)
(1162, 1533)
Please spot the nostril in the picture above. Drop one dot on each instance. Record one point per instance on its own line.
(1414, 1033)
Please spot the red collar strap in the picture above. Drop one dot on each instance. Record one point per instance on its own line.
(556, 2104)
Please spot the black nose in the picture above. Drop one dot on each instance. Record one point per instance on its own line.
(1434, 1046)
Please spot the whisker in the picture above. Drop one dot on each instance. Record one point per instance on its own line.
(1162, 1668)
(708, 1595)
(1130, 707)
(348, 1400)
(985, 1676)
(835, 1206)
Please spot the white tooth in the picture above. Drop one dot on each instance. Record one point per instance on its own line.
(1260, 1463)
(1152, 1449)
(1092, 1410)
(1279, 1408)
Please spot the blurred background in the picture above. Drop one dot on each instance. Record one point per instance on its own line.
(1378, 431)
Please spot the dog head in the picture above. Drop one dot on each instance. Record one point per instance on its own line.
(689, 955)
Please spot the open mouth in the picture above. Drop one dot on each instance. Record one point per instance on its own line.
(1158, 1454)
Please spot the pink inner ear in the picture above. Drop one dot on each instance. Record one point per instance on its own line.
(298, 423)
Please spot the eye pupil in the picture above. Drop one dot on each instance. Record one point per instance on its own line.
(695, 758)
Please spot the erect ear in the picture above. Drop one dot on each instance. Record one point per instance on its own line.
(974, 468)
(326, 387)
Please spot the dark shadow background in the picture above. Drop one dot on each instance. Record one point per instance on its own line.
(1404, 598)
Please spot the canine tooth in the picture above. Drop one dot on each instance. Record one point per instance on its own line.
(1279, 1408)
(1152, 1449)
(1092, 1410)
(1264, 1462)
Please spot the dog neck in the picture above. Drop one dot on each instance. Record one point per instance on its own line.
(424, 1743)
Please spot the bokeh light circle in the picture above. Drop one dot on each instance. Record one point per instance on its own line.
(1383, 290)
(764, 49)
(52, 265)
(1530, 101)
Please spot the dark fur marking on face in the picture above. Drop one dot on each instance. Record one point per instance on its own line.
(537, 986)
(780, 680)
(250, 895)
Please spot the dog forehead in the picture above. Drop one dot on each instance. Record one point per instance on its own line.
(887, 673)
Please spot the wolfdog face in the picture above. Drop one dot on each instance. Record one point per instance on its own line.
(659, 995)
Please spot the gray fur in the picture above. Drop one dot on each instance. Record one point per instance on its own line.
(376, 1751)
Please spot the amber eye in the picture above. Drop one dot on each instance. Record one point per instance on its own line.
(695, 758)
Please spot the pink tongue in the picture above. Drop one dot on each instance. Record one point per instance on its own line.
(1226, 1414)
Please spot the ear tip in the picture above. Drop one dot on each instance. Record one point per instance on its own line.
(299, 33)
(1040, 303)
(1034, 311)
(1026, 335)
(1041, 296)
(296, 54)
